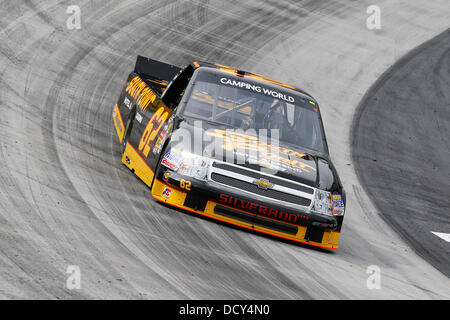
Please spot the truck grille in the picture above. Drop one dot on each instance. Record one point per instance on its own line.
(257, 175)
(244, 179)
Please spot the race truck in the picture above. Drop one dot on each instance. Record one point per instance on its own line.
(231, 145)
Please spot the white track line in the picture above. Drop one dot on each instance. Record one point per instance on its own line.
(445, 236)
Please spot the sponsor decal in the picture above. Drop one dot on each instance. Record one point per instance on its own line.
(168, 164)
(157, 145)
(163, 135)
(337, 200)
(138, 117)
(140, 92)
(337, 203)
(127, 102)
(172, 160)
(166, 192)
(262, 210)
(166, 175)
(257, 88)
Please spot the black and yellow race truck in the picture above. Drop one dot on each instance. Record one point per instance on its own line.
(233, 146)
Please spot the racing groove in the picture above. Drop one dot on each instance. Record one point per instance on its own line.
(65, 198)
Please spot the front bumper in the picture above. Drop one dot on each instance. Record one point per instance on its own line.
(230, 206)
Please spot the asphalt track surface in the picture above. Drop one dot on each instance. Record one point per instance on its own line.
(66, 199)
(401, 147)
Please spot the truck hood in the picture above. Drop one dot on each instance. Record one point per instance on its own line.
(248, 150)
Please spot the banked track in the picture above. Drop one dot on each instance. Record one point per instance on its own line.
(65, 198)
(401, 147)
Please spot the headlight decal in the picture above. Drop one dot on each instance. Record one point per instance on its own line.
(187, 164)
(322, 203)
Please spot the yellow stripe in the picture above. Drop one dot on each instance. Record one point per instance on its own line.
(118, 122)
(134, 161)
(163, 83)
(176, 198)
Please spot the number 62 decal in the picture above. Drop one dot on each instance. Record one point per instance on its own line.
(152, 129)
(185, 184)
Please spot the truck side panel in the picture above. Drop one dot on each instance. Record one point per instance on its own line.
(150, 126)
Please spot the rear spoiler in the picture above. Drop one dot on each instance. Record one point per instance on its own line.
(155, 69)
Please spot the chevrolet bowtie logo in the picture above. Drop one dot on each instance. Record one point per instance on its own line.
(263, 183)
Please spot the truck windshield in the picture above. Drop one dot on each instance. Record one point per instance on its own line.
(246, 104)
